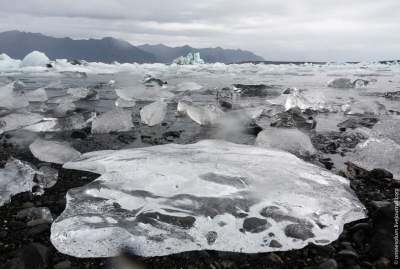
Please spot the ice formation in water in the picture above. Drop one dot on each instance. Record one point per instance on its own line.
(15, 177)
(210, 195)
(287, 139)
(203, 115)
(378, 153)
(35, 58)
(189, 59)
(116, 120)
(154, 113)
(10, 99)
(53, 151)
(18, 120)
(38, 95)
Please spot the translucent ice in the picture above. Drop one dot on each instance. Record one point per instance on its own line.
(203, 115)
(341, 83)
(123, 103)
(35, 58)
(378, 153)
(73, 122)
(209, 195)
(154, 113)
(290, 140)
(188, 86)
(10, 99)
(53, 151)
(364, 107)
(82, 93)
(15, 177)
(116, 120)
(16, 121)
(144, 94)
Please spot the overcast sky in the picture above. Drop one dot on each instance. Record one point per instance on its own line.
(277, 30)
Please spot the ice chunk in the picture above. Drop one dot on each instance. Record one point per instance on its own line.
(210, 195)
(53, 151)
(341, 83)
(154, 113)
(189, 59)
(116, 120)
(38, 95)
(10, 99)
(33, 214)
(188, 86)
(16, 121)
(378, 153)
(389, 128)
(35, 58)
(290, 140)
(82, 93)
(123, 103)
(203, 115)
(47, 176)
(296, 99)
(73, 122)
(63, 108)
(364, 107)
(15, 177)
(144, 94)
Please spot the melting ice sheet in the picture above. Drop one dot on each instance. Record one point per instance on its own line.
(210, 195)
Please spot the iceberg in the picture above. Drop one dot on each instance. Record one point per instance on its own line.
(9, 99)
(116, 120)
(16, 177)
(290, 140)
(212, 195)
(7, 63)
(189, 59)
(35, 58)
(53, 151)
(381, 153)
(38, 95)
(154, 113)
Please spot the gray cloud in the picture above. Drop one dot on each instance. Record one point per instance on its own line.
(277, 30)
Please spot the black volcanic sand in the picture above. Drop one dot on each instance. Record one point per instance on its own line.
(367, 243)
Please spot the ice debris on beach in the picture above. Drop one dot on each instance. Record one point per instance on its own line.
(53, 151)
(287, 139)
(389, 128)
(212, 195)
(16, 177)
(189, 59)
(381, 153)
(10, 99)
(35, 59)
(116, 120)
(154, 113)
(203, 115)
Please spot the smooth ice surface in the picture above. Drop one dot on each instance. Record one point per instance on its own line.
(35, 59)
(210, 195)
(53, 151)
(15, 177)
(154, 113)
(290, 140)
(16, 121)
(203, 115)
(378, 153)
(116, 120)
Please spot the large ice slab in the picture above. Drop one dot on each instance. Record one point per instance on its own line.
(209, 195)
(16, 121)
(53, 151)
(203, 115)
(154, 113)
(378, 153)
(15, 177)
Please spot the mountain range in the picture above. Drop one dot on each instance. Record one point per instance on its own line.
(17, 44)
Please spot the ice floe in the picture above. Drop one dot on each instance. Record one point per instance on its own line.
(213, 195)
(116, 120)
(53, 151)
(154, 113)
